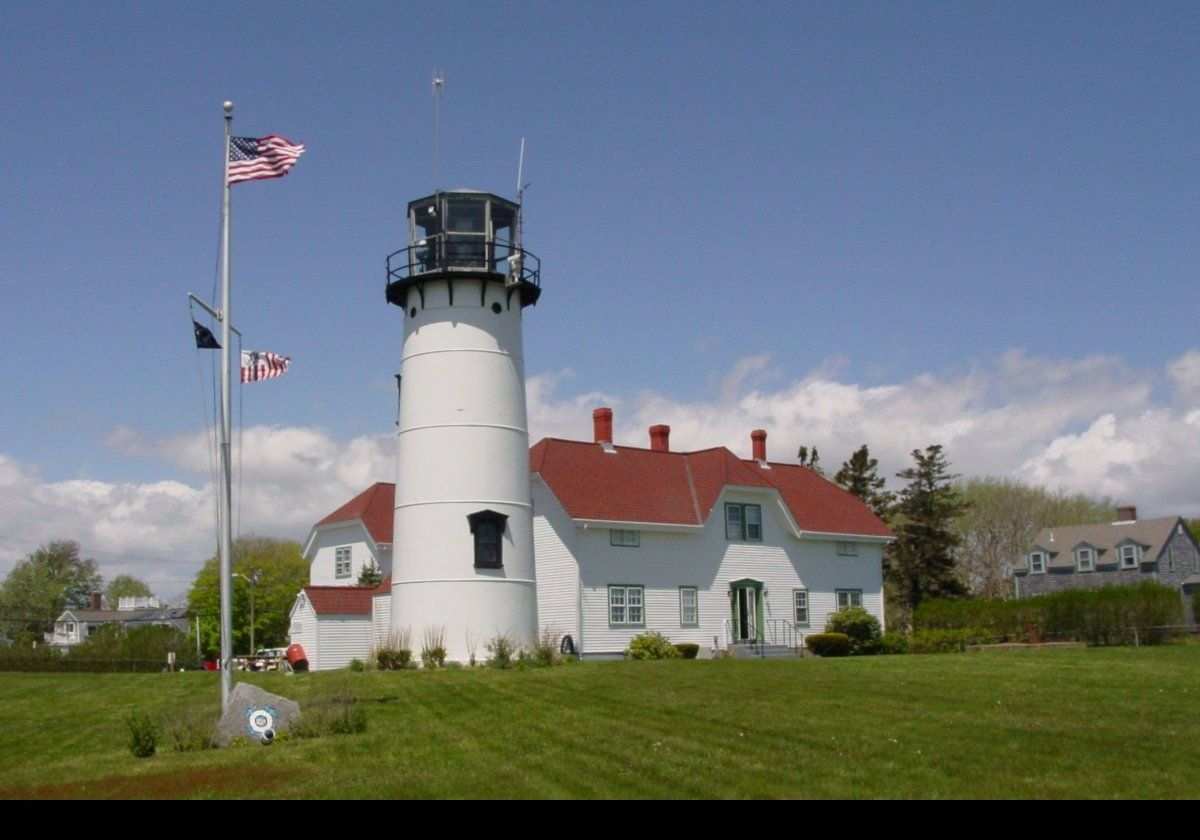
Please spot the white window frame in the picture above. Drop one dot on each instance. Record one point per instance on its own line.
(685, 608)
(800, 605)
(626, 605)
(1134, 555)
(1085, 559)
(1037, 562)
(853, 598)
(743, 530)
(624, 538)
(343, 554)
(847, 549)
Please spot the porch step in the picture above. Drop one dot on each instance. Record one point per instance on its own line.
(742, 650)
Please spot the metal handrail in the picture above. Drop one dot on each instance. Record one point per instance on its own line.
(463, 252)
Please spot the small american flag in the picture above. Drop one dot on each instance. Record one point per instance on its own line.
(252, 158)
(256, 366)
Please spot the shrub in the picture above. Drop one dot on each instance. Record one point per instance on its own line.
(893, 642)
(393, 659)
(433, 647)
(651, 645)
(501, 652)
(859, 626)
(688, 650)
(356, 665)
(336, 714)
(544, 650)
(190, 729)
(143, 734)
(828, 644)
(395, 654)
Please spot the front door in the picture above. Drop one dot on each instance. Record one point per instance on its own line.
(746, 617)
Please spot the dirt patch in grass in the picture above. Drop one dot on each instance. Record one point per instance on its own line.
(211, 781)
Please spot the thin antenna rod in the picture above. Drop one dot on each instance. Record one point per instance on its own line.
(438, 81)
(520, 169)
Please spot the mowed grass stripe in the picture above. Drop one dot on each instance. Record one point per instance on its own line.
(1069, 723)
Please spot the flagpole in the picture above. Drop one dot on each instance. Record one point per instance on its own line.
(226, 503)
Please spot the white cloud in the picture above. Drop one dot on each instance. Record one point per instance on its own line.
(1088, 425)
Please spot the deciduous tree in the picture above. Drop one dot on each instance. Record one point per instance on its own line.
(279, 572)
(42, 585)
(1002, 518)
(125, 586)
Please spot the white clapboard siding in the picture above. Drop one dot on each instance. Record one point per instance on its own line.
(342, 638)
(303, 630)
(322, 570)
(557, 570)
(664, 562)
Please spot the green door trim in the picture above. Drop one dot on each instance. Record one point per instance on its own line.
(757, 586)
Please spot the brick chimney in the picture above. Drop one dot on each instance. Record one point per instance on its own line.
(758, 443)
(660, 438)
(96, 601)
(602, 425)
(1127, 513)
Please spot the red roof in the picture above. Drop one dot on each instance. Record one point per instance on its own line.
(681, 488)
(344, 600)
(649, 485)
(375, 506)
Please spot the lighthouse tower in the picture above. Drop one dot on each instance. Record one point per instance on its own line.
(463, 538)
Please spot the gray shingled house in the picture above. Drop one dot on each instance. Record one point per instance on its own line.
(1119, 553)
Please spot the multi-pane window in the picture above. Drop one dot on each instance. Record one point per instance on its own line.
(689, 610)
(847, 549)
(630, 539)
(487, 526)
(625, 606)
(1129, 556)
(341, 562)
(1085, 559)
(849, 598)
(1037, 562)
(800, 606)
(743, 522)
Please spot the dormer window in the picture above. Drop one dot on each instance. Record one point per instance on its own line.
(1037, 562)
(1085, 559)
(1130, 554)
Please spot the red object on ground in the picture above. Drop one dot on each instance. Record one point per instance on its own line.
(297, 658)
(210, 666)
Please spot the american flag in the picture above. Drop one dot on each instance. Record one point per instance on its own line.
(251, 158)
(256, 366)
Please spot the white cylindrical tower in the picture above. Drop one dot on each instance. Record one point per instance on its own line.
(463, 532)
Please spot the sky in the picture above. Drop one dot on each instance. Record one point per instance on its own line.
(897, 224)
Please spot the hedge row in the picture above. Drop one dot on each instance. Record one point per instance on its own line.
(30, 661)
(1109, 615)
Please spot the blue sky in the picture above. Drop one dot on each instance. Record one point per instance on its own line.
(900, 224)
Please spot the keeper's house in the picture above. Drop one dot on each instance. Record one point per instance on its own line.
(701, 546)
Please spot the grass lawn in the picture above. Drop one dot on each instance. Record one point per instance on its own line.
(1106, 722)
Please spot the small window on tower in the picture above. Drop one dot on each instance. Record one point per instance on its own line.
(488, 528)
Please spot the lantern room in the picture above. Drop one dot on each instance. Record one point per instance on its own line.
(463, 234)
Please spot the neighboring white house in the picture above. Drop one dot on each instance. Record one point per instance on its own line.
(74, 625)
(702, 546)
(350, 538)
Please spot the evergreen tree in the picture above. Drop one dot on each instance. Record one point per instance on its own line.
(920, 563)
(859, 475)
(370, 574)
(810, 458)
